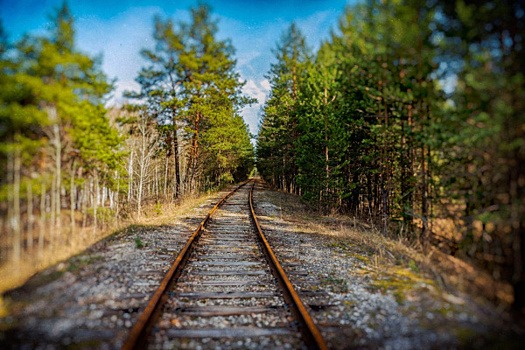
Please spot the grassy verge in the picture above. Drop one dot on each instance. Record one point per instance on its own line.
(396, 263)
(14, 274)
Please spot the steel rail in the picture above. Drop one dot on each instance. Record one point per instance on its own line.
(138, 335)
(311, 334)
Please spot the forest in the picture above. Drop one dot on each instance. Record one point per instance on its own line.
(410, 116)
(73, 166)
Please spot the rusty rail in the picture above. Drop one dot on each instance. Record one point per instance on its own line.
(311, 334)
(137, 338)
(139, 333)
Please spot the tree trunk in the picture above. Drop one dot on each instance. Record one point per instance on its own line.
(95, 202)
(166, 175)
(156, 183)
(142, 163)
(103, 190)
(10, 198)
(176, 160)
(424, 203)
(42, 221)
(30, 216)
(72, 192)
(140, 189)
(57, 143)
(117, 196)
(194, 154)
(53, 199)
(407, 166)
(15, 221)
(519, 269)
(130, 174)
(84, 201)
(517, 222)
(165, 189)
(111, 197)
(326, 150)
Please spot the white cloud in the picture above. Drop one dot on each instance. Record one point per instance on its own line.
(246, 57)
(255, 53)
(253, 44)
(251, 117)
(121, 38)
(121, 86)
(266, 85)
(317, 26)
(258, 90)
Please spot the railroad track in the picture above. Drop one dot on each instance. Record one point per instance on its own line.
(226, 289)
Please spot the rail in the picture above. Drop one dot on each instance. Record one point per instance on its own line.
(311, 334)
(139, 333)
(138, 336)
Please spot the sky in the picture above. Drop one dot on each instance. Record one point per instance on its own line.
(118, 30)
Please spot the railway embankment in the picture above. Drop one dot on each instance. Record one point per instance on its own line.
(361, 289)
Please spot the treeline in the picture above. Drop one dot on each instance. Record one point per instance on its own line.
(412, 116)
(70, 165)
(186, 114)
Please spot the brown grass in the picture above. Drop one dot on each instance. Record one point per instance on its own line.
(15, 274)
(167, 213)
(448, 272)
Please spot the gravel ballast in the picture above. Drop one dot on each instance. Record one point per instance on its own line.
(93, 299)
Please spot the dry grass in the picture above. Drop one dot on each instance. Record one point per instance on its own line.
(166, 213)
(15, 274)
(388, 255)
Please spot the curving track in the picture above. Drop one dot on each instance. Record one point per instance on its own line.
(226, 289)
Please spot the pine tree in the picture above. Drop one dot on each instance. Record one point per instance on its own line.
(53, 119)
(161, 88)
(20, 137)
(192, 81)
(211, 86)
(483, 133)
(321, 133)
(279, 126)
(373, 132)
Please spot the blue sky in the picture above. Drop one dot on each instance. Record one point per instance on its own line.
(118, 30)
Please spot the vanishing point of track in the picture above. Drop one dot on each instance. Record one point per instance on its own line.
(226, 286)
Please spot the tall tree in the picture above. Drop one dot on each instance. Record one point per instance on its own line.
(279, 126)
(192, 79)
(53, 115)
(20, 121)
(485, 151)
(412, 114)
(161, 88)
(211, 86)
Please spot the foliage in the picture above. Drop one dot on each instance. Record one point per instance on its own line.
(193, 90)
(278, 132)
(57, 143)
(410, 115)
